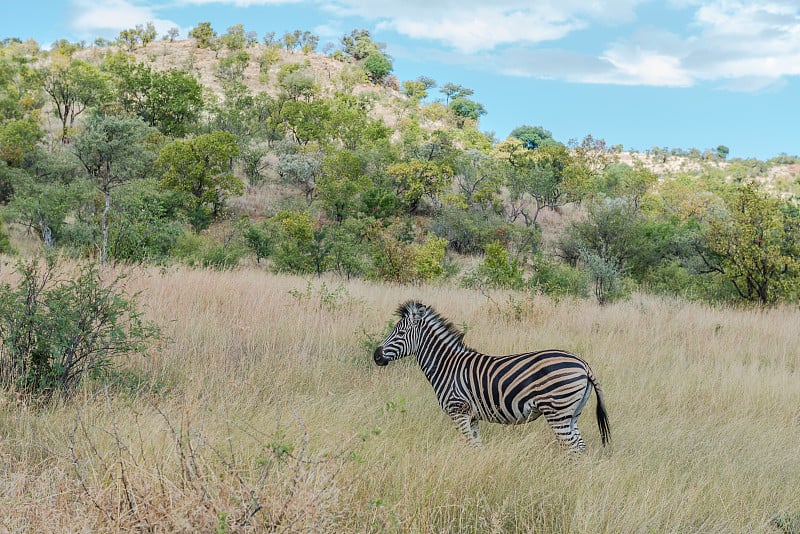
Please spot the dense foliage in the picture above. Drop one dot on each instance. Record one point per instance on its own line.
(157, 160)
(56, 332)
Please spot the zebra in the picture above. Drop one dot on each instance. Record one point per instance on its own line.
(512, 389)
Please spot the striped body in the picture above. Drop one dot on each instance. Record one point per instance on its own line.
(512, 389)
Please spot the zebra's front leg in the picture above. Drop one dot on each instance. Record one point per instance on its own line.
(468, 426)
(473, 427)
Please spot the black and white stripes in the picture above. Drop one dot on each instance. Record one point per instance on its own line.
(512, 389)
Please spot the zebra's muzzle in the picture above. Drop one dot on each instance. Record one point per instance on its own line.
(379, 358)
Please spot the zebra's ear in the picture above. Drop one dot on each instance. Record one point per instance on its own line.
(418, 312)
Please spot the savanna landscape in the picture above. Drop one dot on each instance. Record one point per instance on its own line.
(265, 412)
(204, 239)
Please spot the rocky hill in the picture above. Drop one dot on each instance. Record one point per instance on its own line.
(780, 176)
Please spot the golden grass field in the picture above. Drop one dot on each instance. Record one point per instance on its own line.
(263, 411)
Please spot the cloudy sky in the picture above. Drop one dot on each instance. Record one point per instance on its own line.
(675, 73)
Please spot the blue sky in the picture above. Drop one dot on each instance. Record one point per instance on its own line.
(676, 73)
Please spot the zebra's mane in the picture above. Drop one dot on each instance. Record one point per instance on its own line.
(445, 327)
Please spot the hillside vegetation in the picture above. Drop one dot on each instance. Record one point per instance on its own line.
(229, 149)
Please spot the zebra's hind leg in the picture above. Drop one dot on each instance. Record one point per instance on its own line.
(566, 430)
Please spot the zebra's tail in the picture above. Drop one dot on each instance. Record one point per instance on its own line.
(602, 416)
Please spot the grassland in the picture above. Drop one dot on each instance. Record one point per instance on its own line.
(262, 411)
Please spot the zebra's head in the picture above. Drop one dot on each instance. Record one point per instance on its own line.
(404, 337)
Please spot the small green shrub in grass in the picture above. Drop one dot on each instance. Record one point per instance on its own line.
(56, 331)
(787, 523)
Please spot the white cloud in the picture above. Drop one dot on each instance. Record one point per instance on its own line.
(747, 40)
(240, 3)
(742, 46)
(636, 66)
(108, 17)
(471, 26)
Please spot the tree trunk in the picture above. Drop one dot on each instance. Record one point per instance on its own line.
(104, 225)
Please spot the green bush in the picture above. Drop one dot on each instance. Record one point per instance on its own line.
(469, 231)
(397, 261)
(146, 224)
(496, 271)
(5, 241)
(347, 248)
(296, 250)
(56, 331)
(259, 239)
(203, 251)
(558, 279)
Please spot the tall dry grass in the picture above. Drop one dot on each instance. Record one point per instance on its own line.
(263, 411)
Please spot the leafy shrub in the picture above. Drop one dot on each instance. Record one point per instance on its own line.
(606, 275)
(429, 258)
(56, 331)
(222, 255)
(146, 224)
(496, 271)
(259, 239)
(296, 250)
(203, 251)
(787, 523)
(468, 231)
(557, 279)
(397, 261)
(347, 248)
(5, 241)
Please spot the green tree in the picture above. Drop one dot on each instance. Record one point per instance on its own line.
(622, 180)
(43, 194)
(234, 39)
(18, 138)
(533, 137)
(545, 177)
(201, 167)
(378, 67)
(350, 123)
(497, 270)
(416, 179)
(260, 238)
(451, 91)
(342, 183)
(371, 55)
(415, 90)
(359, 44)
(113, 150)
(296, 83)
(757, 246)
(204, 34)
(73, 86)
(147, 222)
(348, 247)
(169, 100)
(479, 179)
(131, 38)
(465, 108)
(606, 242)
(296, 250)
(308, 122)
